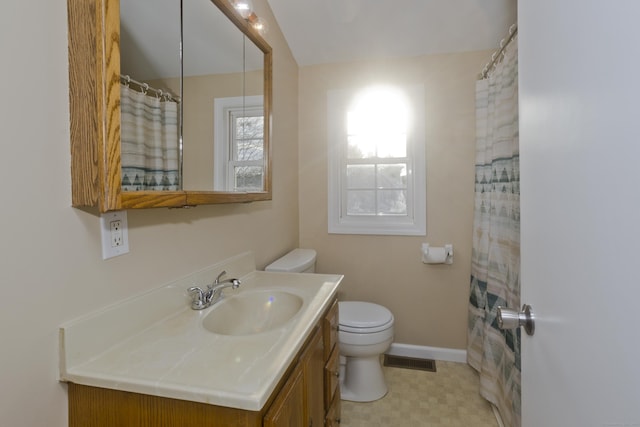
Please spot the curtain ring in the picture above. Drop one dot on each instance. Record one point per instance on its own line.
(145, 88)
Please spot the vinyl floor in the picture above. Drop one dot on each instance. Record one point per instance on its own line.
(447, 397)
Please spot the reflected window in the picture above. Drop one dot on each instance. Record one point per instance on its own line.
(376, 182)
(246, 146)
(239, 144)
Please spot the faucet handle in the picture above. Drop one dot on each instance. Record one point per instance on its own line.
(215, 282)
(197, 297)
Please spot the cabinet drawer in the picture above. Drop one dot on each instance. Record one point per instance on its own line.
(333, 413)
(331, 376)
(330, 327)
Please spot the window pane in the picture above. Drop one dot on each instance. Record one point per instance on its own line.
(249, 127)
(392, 176)
(365, 146)
(361, 202)
(361, 176)
(360, 147)
(248, 177)
(392, 202)
(393, 145)
(251, 149)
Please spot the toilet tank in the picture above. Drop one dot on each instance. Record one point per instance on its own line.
(296, 261)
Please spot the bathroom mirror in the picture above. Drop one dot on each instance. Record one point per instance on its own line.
(212, 63)
(219, 72)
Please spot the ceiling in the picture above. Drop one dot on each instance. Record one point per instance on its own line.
(329, 31)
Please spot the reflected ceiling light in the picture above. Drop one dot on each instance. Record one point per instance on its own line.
(257, 23)
(244, 8)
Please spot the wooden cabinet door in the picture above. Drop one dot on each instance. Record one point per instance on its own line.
(330, 326)
(333, 413)
(331, 376)
(312, 361)
(287, 409)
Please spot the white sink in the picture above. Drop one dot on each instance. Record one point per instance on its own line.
(252, 312)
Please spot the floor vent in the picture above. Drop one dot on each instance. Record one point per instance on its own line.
(409, 363)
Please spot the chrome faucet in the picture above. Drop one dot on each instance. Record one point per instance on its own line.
(202, 299)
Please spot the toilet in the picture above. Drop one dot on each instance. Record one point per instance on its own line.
(365, 332)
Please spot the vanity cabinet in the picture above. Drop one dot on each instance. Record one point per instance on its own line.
(300, 402)
(289, 407)
(307, 395)
(331, 356)
(313, 367)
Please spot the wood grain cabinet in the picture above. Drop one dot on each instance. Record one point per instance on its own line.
(289, 409)
(95, 114)
(307, 396)
(331, 366)
(313, 363)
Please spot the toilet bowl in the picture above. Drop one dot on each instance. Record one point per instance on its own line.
(365, 332)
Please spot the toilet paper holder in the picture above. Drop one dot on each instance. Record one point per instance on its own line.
(437, 255)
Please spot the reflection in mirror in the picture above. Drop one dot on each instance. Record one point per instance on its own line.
(239, 130)
(222, 91)
(235, 71)
(150, 108)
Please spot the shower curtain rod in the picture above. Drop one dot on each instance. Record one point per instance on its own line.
(127, 80)
(497, 56)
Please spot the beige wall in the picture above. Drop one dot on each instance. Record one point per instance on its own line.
(51, 268)
(429, 302)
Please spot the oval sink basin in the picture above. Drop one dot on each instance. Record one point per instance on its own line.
(252, 312)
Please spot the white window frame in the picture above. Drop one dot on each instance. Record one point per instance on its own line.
(223, 108)
(415, 222)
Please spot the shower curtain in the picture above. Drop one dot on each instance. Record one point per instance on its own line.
(495, 269)
(149, 135)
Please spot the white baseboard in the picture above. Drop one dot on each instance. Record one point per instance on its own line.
(425, 352)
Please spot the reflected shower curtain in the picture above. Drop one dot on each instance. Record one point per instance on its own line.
(149, 147)
(495, 269)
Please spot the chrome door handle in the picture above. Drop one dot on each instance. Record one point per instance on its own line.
(511, 319)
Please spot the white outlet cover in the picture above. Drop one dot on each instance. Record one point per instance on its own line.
(109, 251)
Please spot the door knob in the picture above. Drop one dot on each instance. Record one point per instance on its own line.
(511, 319)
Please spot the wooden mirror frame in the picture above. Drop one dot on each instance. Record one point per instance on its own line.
(94, 96)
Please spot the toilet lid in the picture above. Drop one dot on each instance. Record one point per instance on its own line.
(363, 317)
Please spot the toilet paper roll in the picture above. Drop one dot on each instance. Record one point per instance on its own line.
(434, 255)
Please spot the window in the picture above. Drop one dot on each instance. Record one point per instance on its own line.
(377, 161)
(239, 144)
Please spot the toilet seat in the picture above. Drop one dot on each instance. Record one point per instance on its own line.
(363, 317)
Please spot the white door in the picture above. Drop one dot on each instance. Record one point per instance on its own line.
(579, 71)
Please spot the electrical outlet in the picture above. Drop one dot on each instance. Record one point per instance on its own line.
(115, 237)
(115, 228)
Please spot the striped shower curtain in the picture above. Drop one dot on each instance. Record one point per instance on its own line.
(495, 269)
(149, 147)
